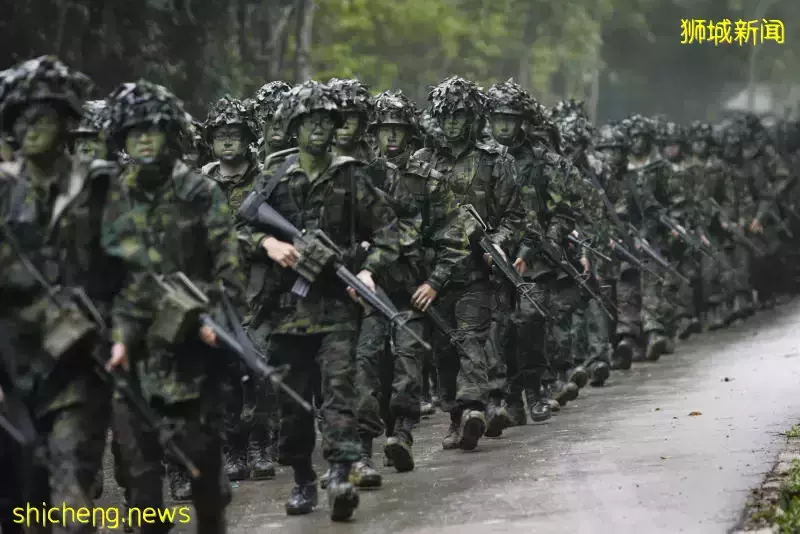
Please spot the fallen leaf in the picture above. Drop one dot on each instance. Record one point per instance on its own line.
(693, 414)
(666, 457)
(727, 379)
(657, 410)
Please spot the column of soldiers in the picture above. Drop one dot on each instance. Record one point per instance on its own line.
(318, 260)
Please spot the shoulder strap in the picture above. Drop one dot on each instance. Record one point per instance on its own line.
(270, 186)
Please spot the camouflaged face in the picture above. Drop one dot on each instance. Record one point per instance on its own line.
(268, 98)
(229, 111)
(45, 78)
(456, 93)
(143, 103)
(95, 117)
(394, 107)
(351, 95)
(510, 98)
(304, 99)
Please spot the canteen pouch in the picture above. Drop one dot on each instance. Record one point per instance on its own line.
(314, 256)
(65, 328)
(177, 315)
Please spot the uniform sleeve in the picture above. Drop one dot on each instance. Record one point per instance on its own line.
(449, 237)
(378, 223)
(508, 204)
(223, 243)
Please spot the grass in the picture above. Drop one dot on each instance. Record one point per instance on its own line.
(788, 517)
(794, 432)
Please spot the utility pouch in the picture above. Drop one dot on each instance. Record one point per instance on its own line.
(66, 328)
(315, 255)
(178, 312)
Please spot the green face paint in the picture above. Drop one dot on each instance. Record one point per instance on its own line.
(392, 139)
(315, 132)
(145, 143)
(505, 127)
(39, 128)
(274, 134)
(88, 148)
(456, 125)
(228, 143)
(350, 132)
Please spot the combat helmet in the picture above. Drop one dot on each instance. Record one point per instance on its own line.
(394, 107)
(672, 133)
(306, 98)
(229, 111)
(640, 125)
(611, 136)
(94, 119)
(267, 99)
(576, 131)
(569, 108)
(145, 103)
(509, 98)
(700, 131)
(352, 96)
(44, 79)
(454, 94)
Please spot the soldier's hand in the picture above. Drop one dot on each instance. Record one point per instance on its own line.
(488, 258)
(119, 357)
(423, 297)
(756, 227)
(705, 240)
(282, 253)
(587, 265)
(520, 265)
(612, 244)
(208, 336)
(674, 233)
(366, 277)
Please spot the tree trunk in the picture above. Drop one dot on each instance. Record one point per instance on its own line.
(305, 28)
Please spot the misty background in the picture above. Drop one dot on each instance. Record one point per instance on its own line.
(620, 56)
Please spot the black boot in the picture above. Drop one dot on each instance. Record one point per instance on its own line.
(398, 446)
(579, 376)
(687, 327)
(364, 473)
(538, 405)
(236, 464)
(497, 418)
(180, 485)
(260, 459)
(516, 410)
(564, 390)
(657, 345)
(623, 353)
(213, 524)
(342, 494)
(599, 371)
(304, 496)
(453, 438)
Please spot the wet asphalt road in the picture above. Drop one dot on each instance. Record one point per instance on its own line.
(628, 457)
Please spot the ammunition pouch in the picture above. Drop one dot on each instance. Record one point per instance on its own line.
(66, 328)
(177, 315)
(315, 255)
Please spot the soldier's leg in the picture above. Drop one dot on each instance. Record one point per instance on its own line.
(628, 332)
(531, 356)
(236, 430)
(598, 342)
(579, 334)
(654, 316)
(263, 428)
(497, 354)
(12, 494)
(336, 357)
(406, 389)
(447, 361)
(687, 322)
(563, 298)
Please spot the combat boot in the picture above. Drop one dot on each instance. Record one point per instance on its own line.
(497, 418)
(303, 500)
(262, 464)
(564, 391)
(236, 464)
(579, 376)
(516, 410)
(687, 327)
(398, 447)
(623, 353)
(426, 408)
(364, 474)
(547, 395)
(325, 479)
(453, 438)
(599, 371)
(473, 427)
(657, 345)
(342, 494)
(180, 485)
(538, 405)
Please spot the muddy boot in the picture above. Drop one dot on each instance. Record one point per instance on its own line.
(398, 447)
(516, 410)
(303, 500)
(656, 346)
(236, 464)
(538, 405)
(548, 392)
(599, 371)
(426, 408)
(342, 494)
(453, 438)
(473, 427)
(262, 465)
(363, 473)
(497, 418)
(564, 391)
(623, 353)
(687, 327)
(180, 485)
(579, 376)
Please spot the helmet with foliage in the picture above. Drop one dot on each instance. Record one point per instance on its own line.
(611, 136)
(576, 131)
(509, 98)
(94, 119)
(569, 108)
(44, 79)
(454, 94)
(640, 125)
(352, 96)
(229, 111)
(267, 99)
(306, 98)
(145, 103)
(700, 131)
(671, 133)
(394, 107)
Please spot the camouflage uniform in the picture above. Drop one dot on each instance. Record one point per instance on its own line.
(352, 97)
(262, 107)
(55, 219)
(164, 218)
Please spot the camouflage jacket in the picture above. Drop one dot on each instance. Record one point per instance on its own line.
(645, 194)
(184, 225)
(235, 188)
(483, 175)
(57, 224)
(361, 152)
(342, 202)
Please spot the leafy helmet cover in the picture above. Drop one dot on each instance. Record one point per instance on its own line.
(700, 131)
(394, 107)
(95, 118)
(352, 96)
(229, 111)
(640, 125)
(44, 79)
(267, 99)
(145, 103)
(456, 93)
(510, 98)
(611, 136)
(306, 98)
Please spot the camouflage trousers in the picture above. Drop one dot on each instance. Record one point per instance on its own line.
(463, 378)
(629, 303)
(388, 368)
(563, 298)
(657, 312)
(591, 340)
(527, 342)
(500, 343)
(333, 354)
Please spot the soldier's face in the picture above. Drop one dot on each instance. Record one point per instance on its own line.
(640, 144)
(732, 151)
(392, 138)
(274, 134)
(90, 147)
(39, 130)
(456, 125)
(700, 147)
(315, 132)
(506, 128)
(228, 143)
(671, 151)
(144, 144)
(350, 132)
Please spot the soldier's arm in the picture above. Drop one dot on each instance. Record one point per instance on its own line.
(449, 237)
(378, 223)
(508, 204)
(223, 243)
(782, 182)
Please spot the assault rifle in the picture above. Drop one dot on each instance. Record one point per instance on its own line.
(318, 251)
(523, 288)
(735, 229)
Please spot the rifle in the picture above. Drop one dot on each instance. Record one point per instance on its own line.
(117, 380)
(256, 211)
(523, 288)
(735, 229)
(642, 244)
(582, 241)
(685, 236)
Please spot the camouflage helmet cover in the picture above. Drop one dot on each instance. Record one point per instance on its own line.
(698, 131)
(640, 125)
(456, 93)
(306, 98)
(145, 103)
(229, 111)
(351, 95)
(394, 107)
(268, 98)
(511, 99)
(94, 119)
(611, 136)
(43, 79)
(671, 132)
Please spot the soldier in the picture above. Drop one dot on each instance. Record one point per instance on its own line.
(50, 211)
(484, 176)
(165, 218)
(318, 190)
(355, 104)
(264, 104)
